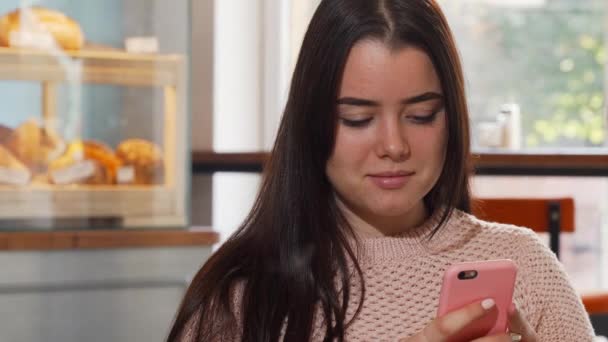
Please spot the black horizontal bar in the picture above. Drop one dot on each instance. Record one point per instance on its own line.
(201, 167)
(542, 171)
(256, 167)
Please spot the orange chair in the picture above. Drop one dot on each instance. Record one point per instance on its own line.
(552, 216)
(547, 215)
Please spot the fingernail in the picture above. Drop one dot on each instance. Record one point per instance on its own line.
(487, 303)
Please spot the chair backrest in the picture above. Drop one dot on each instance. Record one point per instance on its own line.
(533, 213)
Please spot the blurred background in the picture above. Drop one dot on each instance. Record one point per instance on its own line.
(174, 105)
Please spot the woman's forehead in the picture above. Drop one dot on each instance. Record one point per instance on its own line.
(374, 69)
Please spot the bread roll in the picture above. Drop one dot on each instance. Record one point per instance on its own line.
(145, 158)
(5, 133)
(7, 160)
(35, 146)
(73, 153)
(12, 171)
(38, 27)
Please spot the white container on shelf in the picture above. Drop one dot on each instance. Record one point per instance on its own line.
(510, 119)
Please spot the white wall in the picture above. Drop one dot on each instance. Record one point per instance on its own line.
(253, 46)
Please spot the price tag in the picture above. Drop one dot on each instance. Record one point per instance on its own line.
(141, 44)
(74, 173)
(125, 175)
(14, 177)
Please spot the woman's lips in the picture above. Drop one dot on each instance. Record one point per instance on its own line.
(391, 180)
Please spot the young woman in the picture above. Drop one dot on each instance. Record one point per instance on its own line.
(365, 201)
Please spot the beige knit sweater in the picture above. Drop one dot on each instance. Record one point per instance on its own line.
(403, 277)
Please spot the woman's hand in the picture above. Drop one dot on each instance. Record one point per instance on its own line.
(519, 326)
(446, 327)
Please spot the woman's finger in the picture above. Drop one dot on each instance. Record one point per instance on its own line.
(519, 325)
(446, 326)
(494, 338)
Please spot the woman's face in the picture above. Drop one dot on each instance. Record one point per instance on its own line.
(391, 136)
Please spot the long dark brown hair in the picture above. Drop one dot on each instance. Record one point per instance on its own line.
(291, 254)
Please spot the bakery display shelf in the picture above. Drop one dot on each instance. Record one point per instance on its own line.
(90, 66)
(135, 206)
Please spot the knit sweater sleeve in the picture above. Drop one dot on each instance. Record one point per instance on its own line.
(232, 334)
(554, 308)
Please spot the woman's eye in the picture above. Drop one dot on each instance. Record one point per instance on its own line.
(355, 123)
(423, 118)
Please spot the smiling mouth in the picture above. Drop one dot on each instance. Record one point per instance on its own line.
(391, 180)
(392, 174)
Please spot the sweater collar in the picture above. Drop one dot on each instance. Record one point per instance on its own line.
(415, 242)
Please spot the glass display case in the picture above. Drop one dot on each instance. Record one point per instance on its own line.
(93, 123)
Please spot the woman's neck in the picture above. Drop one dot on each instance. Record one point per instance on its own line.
(366, 226)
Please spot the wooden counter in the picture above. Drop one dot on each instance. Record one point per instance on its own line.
(106, 239)
(72, 285)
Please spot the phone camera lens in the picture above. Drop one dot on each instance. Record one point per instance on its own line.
(464, 275)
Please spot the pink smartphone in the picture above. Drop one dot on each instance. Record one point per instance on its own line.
(465, 283)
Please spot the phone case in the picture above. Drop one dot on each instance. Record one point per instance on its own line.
(494, 279)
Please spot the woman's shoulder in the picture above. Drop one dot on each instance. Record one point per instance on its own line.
(499, 239)
(497, 230)
(521, 244)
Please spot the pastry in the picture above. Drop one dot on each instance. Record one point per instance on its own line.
(34, 146)
(145, 158)
(105, 156)
(12, 171)
(5, 133)
(40, 27)
(73, 152)
(76, 166)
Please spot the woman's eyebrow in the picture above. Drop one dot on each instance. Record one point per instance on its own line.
(354, 101)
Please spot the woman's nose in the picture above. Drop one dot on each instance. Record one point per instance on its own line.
(392, 142)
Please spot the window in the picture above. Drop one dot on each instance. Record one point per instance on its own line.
(542, 58)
